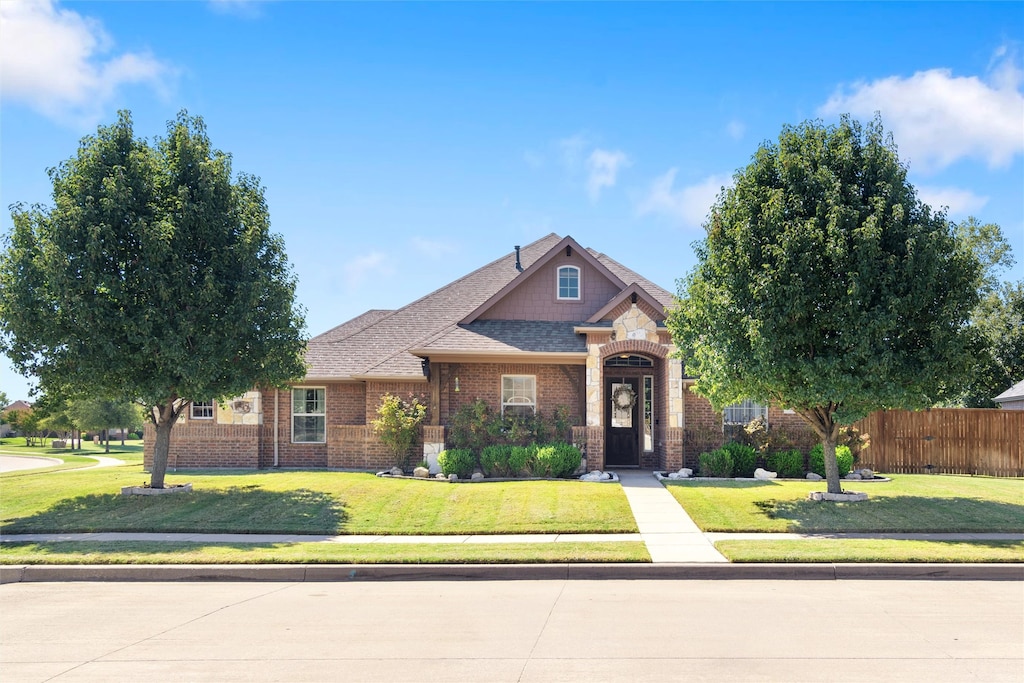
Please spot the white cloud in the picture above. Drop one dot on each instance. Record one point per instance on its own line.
(248, 9)
(61, 63)
(356, 271)
(937, 118)
(432, 248)
(603, 170)
(533, 159)
(573, 149)
(735, 129)
(960, 202)
(688, 205)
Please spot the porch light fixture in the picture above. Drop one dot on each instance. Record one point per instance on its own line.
(456, 385)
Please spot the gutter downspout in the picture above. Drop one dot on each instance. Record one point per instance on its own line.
(277, 393)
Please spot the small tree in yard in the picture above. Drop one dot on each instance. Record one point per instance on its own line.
(825, 286)
(396, 425)
(154, 277)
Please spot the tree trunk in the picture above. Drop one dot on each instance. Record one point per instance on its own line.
(123, 430)
(161, 449)
(106, 440)
(828, 446)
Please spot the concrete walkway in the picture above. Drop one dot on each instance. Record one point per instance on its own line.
(666, 529)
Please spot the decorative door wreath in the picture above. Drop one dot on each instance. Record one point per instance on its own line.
(624, 397)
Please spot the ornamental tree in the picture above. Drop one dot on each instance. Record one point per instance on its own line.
(154, 276)
(824, 285)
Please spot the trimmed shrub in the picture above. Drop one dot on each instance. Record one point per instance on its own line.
(494, 461)
(744, 459)
(816, 460)
(557, 460)
(789, 464)
(521, 460)
(717, 463)
(459, 461)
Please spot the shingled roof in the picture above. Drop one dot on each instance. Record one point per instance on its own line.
(378, 344)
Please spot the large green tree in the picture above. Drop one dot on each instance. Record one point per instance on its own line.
(998, 318)
(825, 286)
(154, 277)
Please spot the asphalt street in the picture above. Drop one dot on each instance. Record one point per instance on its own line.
(613, 630)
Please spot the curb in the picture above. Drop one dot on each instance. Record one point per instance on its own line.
(301, 573)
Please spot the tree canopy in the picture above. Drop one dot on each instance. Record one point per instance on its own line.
(154, 276)
(824, 285)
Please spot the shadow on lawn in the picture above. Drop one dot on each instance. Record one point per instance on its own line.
(240, 509)
(899, 514)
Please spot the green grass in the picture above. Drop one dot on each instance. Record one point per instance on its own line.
(871, 550)
(133, 552)
(909, 503)
(298, 502)
(131, 452)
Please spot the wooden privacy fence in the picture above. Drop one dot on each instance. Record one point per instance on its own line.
(945, 440)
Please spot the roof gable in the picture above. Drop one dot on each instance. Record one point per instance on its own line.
(533, 276)
(632, 294)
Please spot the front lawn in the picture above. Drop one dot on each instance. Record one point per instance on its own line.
(304, 502)
(133, 552)
(871, 550)
(909, 503)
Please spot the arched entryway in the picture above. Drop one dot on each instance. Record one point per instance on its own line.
(629, 409)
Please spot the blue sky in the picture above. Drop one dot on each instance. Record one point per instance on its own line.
(404, 145)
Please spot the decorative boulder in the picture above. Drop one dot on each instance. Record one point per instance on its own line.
(439, 476)
(814, 476)
(866, 473)
(853, 475)
(421, 472)
(606, 475)
(673, 475)
(764, 474)
(396, 472)
(477, 476)
(596, 475)
(685, 473)
(453, 477)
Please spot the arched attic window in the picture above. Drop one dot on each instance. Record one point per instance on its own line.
(569, 283)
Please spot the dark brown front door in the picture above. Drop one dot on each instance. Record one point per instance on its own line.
(622, 422)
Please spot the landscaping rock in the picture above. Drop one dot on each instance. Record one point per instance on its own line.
(673, 475)
(421, 472)
(853, 475)
(396, 472)
(596, 475)
(866, 473)
(814, 476)
(453, 477)
(439, 476)
(844, 497)
(764, 475)
(477, 476)
(685, 472)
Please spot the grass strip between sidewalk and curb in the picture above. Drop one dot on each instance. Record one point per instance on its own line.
(147, 552)
(871, 550)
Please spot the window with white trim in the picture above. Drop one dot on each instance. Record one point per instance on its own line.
(309, 415)
(518, 395)
(743, 412)
(569, 282)
(201, 410)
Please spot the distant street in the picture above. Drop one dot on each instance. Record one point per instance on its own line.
(12, 463)
(514, 631)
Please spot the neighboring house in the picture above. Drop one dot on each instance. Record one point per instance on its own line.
(1012, 398)
(552, 324)
(5, 428)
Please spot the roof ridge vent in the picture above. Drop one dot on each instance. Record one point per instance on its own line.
(519, 265)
